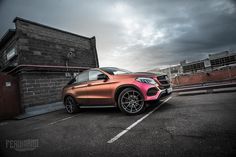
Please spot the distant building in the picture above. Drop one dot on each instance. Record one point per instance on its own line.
(222, 59)
(193, 66)
(171, 71)
(214, 61)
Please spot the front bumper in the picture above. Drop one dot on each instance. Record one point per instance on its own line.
(161, 93)
(165, 93)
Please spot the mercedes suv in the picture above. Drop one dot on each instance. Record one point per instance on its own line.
(110, 86)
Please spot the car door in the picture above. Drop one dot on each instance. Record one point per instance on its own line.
(79, 88)
(98, 90)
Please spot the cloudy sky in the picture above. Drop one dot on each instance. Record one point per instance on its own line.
(136, 34)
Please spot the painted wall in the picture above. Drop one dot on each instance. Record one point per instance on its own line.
(204, 77)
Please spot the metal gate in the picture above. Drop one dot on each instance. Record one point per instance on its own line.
(9, 96)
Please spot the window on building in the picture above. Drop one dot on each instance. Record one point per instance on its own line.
(11, 53)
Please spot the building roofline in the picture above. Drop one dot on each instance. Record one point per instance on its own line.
(49, 27)
(196, 61)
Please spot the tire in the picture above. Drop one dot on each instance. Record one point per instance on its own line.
(71, 105)
(131, 102)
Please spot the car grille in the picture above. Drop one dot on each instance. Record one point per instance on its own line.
(164, 86)
(164, 81)
(163, 77)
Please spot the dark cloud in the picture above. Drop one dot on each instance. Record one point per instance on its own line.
(137, 34)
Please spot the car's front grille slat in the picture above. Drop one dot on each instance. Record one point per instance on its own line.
(164, 81)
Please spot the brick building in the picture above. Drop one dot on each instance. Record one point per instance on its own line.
(43, 59)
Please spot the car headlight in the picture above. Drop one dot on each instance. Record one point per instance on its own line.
(146, 80)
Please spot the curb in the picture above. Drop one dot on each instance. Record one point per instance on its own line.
(207, 91)
(39, 110)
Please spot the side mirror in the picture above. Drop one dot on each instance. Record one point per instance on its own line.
(71, 81)
(102, 77)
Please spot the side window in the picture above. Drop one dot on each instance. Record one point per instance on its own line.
(83, 77)
(93, 75)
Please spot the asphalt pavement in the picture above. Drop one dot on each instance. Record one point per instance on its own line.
(197, 125)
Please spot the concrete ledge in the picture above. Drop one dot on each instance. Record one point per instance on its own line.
(221, 90)
(205, 87)
(207, 91)
(39, 110)
(192, 92)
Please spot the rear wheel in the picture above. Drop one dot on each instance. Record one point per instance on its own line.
(131, 101)
(71, 105)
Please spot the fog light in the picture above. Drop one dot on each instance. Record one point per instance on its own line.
(152, 91)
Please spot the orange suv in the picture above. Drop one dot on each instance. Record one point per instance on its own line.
(114, 87)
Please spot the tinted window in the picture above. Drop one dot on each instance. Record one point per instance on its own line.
(93, 74)
(83, 77)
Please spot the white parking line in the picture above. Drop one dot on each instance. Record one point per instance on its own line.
(52, 123)
(62, 120)
(135, 123)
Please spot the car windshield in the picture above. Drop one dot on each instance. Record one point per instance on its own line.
(115, 71)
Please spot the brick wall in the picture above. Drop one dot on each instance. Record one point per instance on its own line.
(40, 88)
(204, 77)
(39, 44)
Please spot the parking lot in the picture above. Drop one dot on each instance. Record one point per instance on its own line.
(198, 125)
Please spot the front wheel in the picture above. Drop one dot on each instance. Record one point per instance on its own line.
(131, 101)
(71, 105)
